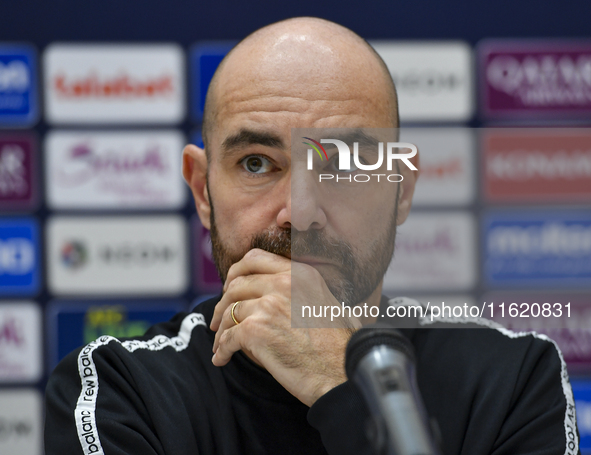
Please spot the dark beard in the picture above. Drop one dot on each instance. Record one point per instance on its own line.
(357, 278)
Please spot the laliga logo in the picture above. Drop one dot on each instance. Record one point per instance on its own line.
(345, 159)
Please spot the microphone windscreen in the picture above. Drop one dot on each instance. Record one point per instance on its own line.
(367, 338)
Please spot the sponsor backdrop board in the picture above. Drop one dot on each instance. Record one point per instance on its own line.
(535, 79)
(75, 323)
(204, 60)
(117, 255)
(197, 138)
(446, 157)
(434, 251)
(20, 342)
(21, 422)
(434, 79)
(570, 327)
(20, 261)
(537, 165)
(115, 83)
(106, 182)
(205, 275)
(19, 104)
(18, 172)
(537, 249)
(582, 394)
(114, 170)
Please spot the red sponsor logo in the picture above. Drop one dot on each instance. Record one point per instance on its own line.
(447, 169)
(122, 86)
(537, 166)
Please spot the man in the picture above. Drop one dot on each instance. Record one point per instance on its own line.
(270, 388)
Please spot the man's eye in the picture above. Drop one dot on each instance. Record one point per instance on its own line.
(256, 164)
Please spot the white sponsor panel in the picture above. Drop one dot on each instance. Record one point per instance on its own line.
(144, 255)
(114, 170)
(20, 342)
(21, 422)
(434, 80)
(116, 83)
(433, 251)
(446, 165)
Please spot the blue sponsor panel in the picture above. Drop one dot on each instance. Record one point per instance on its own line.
(20, 261)
(74, 323)
(18, 85)
(205, 59)
(197, 138)
(537, 249)
(582, 393)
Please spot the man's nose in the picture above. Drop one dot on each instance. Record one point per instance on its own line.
(303, 209)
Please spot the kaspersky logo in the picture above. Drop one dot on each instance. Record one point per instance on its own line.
(344, 160)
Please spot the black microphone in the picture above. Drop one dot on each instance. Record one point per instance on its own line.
(381, 362)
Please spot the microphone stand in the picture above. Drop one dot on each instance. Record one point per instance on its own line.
(380, 361)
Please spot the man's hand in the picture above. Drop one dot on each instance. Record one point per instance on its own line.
(308, 362)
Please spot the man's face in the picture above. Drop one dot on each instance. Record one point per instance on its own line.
(260, 197)
(350, 276)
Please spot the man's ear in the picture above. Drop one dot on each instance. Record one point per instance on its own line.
(195, 174)
(407, 188)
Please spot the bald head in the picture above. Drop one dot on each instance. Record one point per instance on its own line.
(304, 59)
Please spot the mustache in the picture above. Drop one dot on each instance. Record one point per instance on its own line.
(290, 243)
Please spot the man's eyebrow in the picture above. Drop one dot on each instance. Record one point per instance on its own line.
(360, 136)
(245, 138)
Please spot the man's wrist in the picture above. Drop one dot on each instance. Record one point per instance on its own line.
(327, 387)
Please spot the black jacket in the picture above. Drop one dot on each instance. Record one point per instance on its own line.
(491, 391)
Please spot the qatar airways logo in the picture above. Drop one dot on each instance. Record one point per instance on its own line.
(542, 72)
(14, 174)
(536, 77)
(345, 172)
